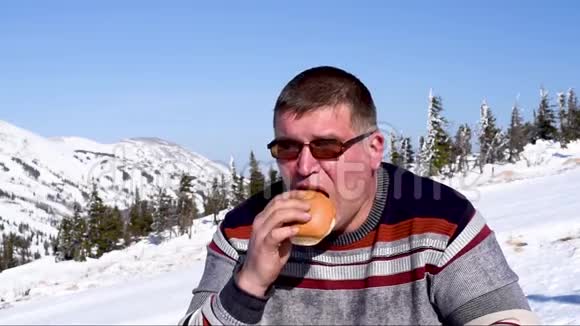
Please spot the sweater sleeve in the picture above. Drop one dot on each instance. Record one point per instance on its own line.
(473, 278)
(217, 300)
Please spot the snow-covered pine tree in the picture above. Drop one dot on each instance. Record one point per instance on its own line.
(224, 200)
(395, 155)
(96, 213)
(573, 116)
(563, 117)
(489, 137)
(545, 119)
(241, 191)
(237, 187)
(438, 143)
(462, 148)
(185, 205)
(407, 153)
(516, 135)
(420, 166)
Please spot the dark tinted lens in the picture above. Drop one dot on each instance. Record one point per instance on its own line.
(326, 148)
(286, 149)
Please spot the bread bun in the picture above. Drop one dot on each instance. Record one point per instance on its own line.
(322, 222)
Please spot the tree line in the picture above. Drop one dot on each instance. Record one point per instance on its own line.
(17, 248)
(99, 228)
(440, 154)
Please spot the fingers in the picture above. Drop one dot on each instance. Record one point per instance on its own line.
(285, 216)
(279, 203)
(277, 236)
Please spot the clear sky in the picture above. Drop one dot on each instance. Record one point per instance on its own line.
(206, 76)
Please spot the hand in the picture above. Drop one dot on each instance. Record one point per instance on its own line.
(269, 247)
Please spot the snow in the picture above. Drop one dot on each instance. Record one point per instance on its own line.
(533, 209)
(67, 166)
(44, 277)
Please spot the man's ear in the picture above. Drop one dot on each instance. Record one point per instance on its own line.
(376, 147)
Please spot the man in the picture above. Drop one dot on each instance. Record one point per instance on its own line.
(404, 250)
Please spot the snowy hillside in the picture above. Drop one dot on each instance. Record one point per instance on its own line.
(536, 219)
(40, 178)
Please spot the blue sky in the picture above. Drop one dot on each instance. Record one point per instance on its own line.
(206, 76)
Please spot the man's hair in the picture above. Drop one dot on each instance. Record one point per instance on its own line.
(327, 86)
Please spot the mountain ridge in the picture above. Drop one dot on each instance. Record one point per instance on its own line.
(42, 177)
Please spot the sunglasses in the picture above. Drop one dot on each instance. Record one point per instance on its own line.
(322, 149)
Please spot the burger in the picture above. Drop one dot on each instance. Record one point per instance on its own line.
(323, 213)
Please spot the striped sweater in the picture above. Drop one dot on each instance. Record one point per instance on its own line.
(424, 255)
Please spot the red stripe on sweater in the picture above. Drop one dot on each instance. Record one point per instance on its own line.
(370, 282)
(214, 247)
(385, 232)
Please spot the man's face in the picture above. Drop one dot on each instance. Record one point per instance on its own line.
(349, 179)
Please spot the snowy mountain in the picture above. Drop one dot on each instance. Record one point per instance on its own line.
(532, 206)
(41, 178)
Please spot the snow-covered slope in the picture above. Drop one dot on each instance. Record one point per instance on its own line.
(40, 178)
(536, 220)
(540, 159)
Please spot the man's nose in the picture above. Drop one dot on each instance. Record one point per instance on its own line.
(307, 164)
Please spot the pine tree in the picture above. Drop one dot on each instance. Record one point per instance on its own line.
(185, 205)
(96, 213)
(420, 165)
(407, 153)
(257, 179)
(140, 218)
(162, 212)
(64, 240)
(189, 212)
(22, 245)
(273, 175)
(46, 245)
(78, 234)
(563, 117)
(224, 201)
(135, 227)
(490, 142)
(8, 251)
(238, 188)
(516, 135)
(146, 217)
(530, 132)
(216, 200)
(462, 148)
(437, 144)
(110, 231)
(573, 116)
(545, 120)
(396, 157)
(234, 185)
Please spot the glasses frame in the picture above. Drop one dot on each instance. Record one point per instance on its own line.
(344, 146)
